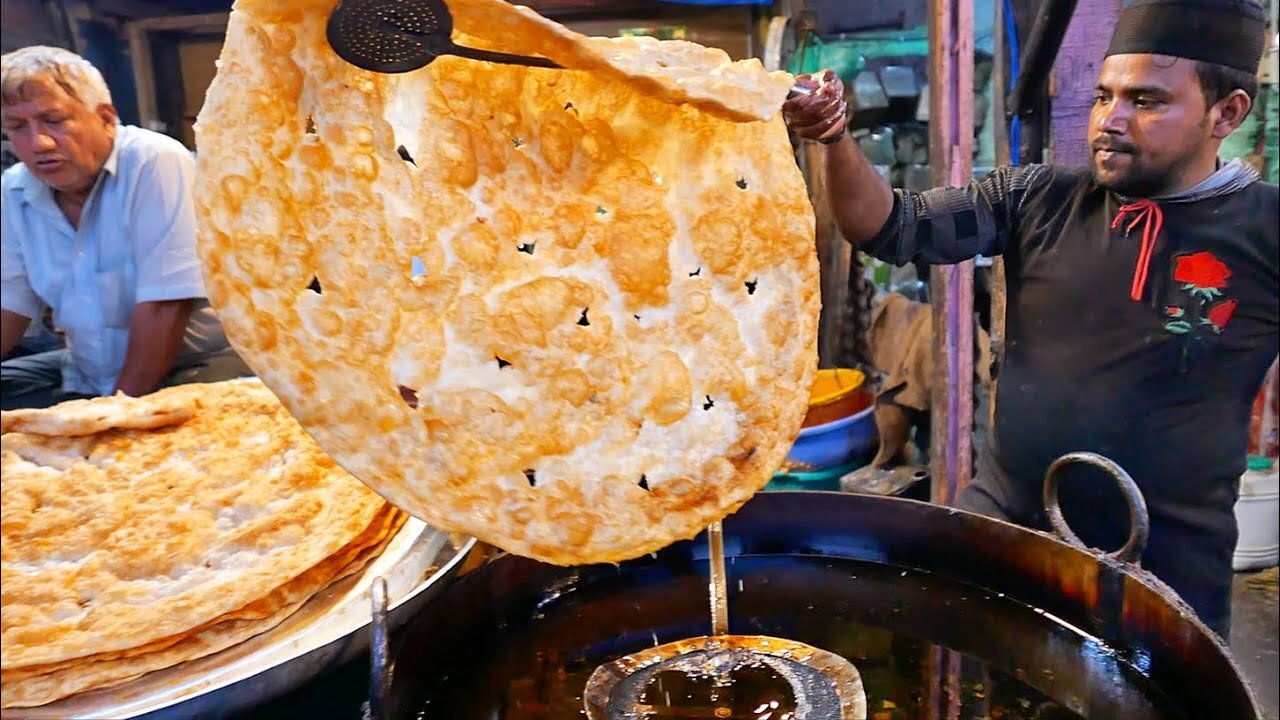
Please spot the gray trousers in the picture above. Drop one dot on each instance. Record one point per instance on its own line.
(35, 381)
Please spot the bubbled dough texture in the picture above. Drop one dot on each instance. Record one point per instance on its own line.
(107, 670)
(657, 219)
(125, 542)
(91, 416)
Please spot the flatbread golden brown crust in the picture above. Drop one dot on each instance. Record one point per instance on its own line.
(127, 541)
(40, 685)
(579, 324)
(342, 563)
(88, 417)
(673, 71)
(97, 674)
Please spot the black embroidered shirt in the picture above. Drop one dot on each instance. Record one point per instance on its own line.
(1162, 385)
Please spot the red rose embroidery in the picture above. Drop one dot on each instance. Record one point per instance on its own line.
(1221, 313)
(1203, 277)
(1202, 270)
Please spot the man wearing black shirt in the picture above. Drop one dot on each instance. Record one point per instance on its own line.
(1142, 291)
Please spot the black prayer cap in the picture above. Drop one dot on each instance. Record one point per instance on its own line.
(1220, 32)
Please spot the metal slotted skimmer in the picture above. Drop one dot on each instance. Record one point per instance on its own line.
(396, 36)
(719, 676)
(726, 677)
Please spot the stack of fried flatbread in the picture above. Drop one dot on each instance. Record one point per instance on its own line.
(142, 533)
(570, 312)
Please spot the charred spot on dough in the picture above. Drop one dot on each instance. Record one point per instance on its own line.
(742, 183)
(502, 363)
(644, 483)
(696, 273)
(582, 320)
(417, 268)
(526, 248)
(751, 286)
(568, 106)
(314, 286)
(403, 152)
(311, 125)
(709, 403)
(409, 395)
(637, 317)
(532, 476)
(742, 459)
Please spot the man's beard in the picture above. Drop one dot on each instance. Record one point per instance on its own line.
(1139, 180)
(1136, 182)
(1133, 181)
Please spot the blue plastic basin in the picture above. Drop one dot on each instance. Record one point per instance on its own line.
(836, 443)
(828, 479)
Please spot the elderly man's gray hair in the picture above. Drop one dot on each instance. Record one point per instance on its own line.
(77, 76)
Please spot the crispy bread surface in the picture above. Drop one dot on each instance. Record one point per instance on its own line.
(110, 669)
(127, 541)
(88, 417)
(570, 312)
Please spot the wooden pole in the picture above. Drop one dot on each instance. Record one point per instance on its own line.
(1075, 73)
(1000, 115)
(1264, 425)
(835, 262)
(143, 74)
(951, 286)
(139, 32)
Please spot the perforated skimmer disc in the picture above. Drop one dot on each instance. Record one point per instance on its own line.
(726, 677)
(389, 35)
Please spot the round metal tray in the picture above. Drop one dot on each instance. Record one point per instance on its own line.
(330, 629)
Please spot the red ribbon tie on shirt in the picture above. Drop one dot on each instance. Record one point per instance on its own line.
(1148, 214)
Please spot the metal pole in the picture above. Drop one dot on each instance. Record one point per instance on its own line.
(719, 583)
(951, 286)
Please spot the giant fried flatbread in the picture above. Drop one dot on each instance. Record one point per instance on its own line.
(95, 674)
(342, 563)
(150, 535)
(553, 309)
(25, 689)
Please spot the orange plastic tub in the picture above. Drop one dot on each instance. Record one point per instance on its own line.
(837, 393)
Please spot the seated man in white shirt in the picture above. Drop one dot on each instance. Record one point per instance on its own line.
(99, 227)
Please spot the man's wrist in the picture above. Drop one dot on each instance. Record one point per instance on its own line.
(833, 139)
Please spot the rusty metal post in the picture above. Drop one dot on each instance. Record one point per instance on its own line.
(951, 286)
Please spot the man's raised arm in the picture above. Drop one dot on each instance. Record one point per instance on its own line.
(935, 227)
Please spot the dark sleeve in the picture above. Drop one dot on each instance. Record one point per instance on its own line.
(952, 224)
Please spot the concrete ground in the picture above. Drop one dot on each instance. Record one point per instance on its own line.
(1255, 635)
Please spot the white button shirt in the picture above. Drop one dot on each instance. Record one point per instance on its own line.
(135, 244)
